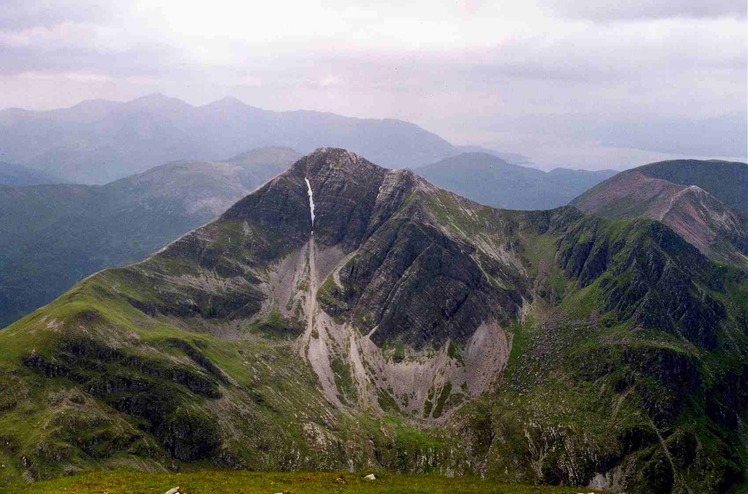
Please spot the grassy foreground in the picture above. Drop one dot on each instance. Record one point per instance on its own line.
(233, 482)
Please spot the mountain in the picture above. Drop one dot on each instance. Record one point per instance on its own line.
(490, 180)
(346, 316)
(703, 201)
(55, 235)
(513, 158)
(99, 141)
(20, 175)
(725, 180)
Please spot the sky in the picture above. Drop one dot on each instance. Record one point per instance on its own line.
(581, 83)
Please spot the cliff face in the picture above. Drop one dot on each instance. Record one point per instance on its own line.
(345, 315)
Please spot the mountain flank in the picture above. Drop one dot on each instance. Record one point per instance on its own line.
(11, 174)
(344, 315)
(703, 201)
(55, 235)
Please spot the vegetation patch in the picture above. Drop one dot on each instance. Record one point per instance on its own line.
(231, 482)
(344, 379)
(442, 400)
(274, 325)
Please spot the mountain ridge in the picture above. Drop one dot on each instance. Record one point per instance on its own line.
(700, 217)
(399, 327)
(56, 235)
(132, 136)
(493, 181)
(11, 174)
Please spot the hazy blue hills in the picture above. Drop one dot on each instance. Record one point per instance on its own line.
(11, 174)
(54, 235)
(490, 180)
(99, 141)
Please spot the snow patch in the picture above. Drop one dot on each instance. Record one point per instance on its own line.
(311, 200)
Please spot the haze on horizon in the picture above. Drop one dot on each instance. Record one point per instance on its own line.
(581, 83)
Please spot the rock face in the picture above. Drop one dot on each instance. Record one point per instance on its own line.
(702, 201)
(348, 316)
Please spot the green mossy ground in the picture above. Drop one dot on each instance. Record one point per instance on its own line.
(231, 482)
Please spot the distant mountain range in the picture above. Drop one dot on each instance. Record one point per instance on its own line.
(11, 174)
(491, 180)
(99, 141)
(347, 316)
(54, 235)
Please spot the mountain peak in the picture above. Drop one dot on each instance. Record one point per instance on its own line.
(227, 103)
(682, 195)
(351, 197)
(328, 160)
(157, 101)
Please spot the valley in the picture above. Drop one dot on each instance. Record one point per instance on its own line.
(349, 317)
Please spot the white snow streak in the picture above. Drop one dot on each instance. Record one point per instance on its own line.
(311, 200)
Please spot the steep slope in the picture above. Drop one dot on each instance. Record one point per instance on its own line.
(689, 209)
(98, 141)
(725, 180)
(490, 180)
(53, 236)
(20, 175)
(348, 316)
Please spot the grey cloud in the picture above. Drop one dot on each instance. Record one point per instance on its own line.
(608, 10)
(136, 61)
(24, 14)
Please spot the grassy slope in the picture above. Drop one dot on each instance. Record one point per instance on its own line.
(51, 236)
(596, 377)
(109, 383)
(230, 482)
(570, 395)
(560, 414)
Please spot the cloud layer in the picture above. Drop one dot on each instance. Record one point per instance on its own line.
(584, 83)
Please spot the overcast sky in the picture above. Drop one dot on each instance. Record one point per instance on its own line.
(583, 83)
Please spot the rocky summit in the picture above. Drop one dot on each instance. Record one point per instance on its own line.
(346, 316)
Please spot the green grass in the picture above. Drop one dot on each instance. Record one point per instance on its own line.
(233, 482)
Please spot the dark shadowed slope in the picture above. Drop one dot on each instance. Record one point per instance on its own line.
(346, 316)
(490, 180)
(684, 195)
(99, 141)
(11, 174)
(54, 235)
